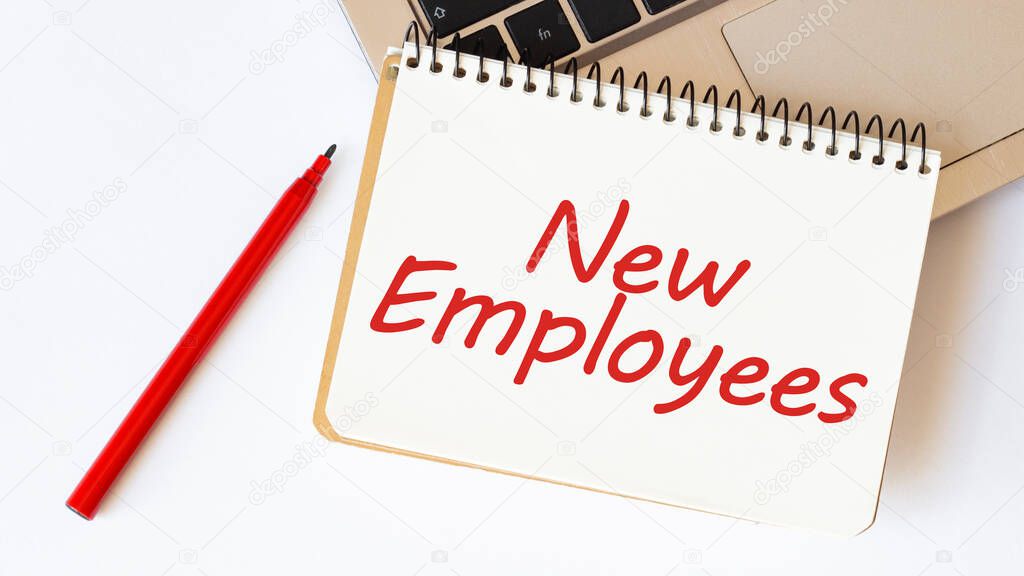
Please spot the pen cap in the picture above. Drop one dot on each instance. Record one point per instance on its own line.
(316, 172)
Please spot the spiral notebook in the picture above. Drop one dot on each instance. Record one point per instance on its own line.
(621, 290)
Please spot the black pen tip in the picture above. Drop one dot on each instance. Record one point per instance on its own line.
(330, 151)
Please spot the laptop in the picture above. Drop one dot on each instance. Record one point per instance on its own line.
(958, 67)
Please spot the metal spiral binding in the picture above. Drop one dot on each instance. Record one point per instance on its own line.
(689, 91)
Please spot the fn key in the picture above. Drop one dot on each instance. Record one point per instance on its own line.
(542, 30)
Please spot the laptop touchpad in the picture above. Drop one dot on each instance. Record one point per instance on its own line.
(956, 66)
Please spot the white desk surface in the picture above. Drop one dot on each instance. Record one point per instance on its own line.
(171, 108)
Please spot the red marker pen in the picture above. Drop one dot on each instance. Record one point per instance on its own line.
(200, 335)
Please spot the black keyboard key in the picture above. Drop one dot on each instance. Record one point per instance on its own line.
(542, 30)
(450, 16)
(602, 18)
(655, 6)
(493, 44)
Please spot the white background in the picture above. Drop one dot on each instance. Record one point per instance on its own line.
(165, 97)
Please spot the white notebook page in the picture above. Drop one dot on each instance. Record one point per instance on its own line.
(826, 254)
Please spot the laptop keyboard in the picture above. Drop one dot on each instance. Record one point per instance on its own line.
(491, 41)
(657, 6)
(450, 16)
(540, 29)
(600, 19)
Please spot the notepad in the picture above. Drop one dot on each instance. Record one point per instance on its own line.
(574, 283)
